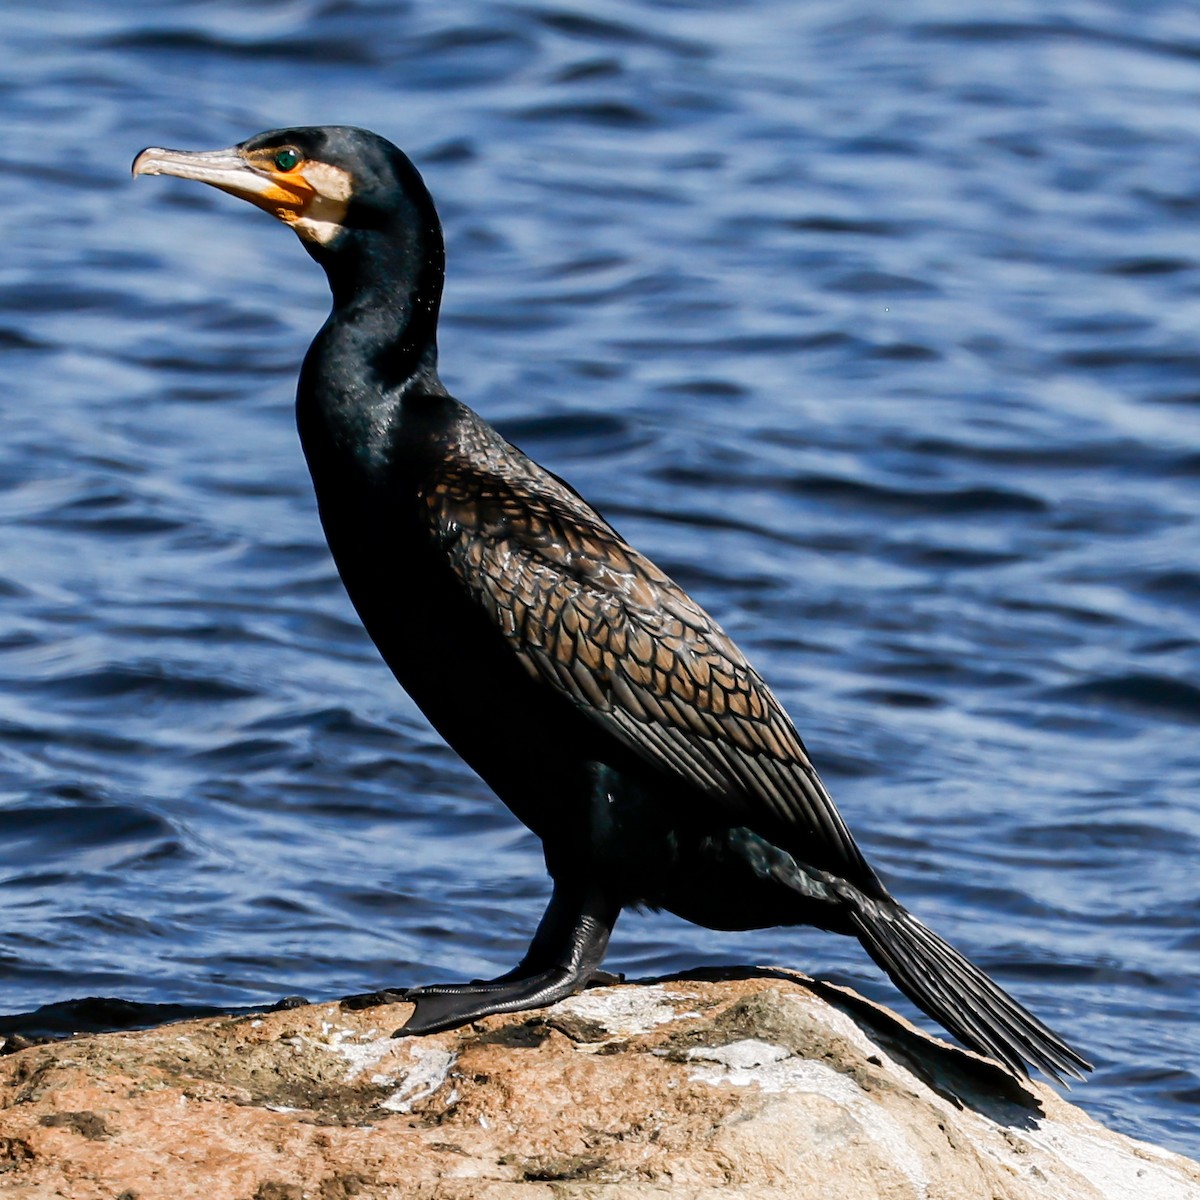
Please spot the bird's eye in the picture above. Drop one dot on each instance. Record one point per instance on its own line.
(287, 159)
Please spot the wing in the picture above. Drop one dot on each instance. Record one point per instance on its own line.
(590, 617)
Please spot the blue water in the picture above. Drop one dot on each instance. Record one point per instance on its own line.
(877, 325)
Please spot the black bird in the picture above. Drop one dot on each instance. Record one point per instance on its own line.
(610, 713)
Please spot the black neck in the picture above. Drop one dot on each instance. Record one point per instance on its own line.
(377, 349)
(387, 289)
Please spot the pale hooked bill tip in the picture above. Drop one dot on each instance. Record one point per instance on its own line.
(144, 161)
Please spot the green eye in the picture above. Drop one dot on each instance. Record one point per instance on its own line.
(287, 159)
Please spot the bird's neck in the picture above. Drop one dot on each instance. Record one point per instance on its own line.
(387, 291)
(376, 353)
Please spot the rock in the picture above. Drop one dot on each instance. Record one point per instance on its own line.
(763, 1086)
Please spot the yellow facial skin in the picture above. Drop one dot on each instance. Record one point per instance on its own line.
(311, 196)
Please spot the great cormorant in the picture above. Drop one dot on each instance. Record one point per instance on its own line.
(610, 713)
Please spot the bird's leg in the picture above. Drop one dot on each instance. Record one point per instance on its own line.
(562, 958)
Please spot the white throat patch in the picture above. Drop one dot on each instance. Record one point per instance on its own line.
(321, 219)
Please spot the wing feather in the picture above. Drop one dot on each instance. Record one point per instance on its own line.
(593, 619)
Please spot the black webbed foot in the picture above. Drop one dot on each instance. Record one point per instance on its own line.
(445, 1005)
(563, 958)
(449, 1005)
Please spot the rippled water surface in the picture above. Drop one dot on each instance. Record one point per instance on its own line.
(877, 325)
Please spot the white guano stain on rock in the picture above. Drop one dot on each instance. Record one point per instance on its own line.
(431, 1068)
(842, 1026)
(361, 1054)
(624, 1010)
(1110, 1168)
(740, 1059)
(774, 1069)
(427, 1070)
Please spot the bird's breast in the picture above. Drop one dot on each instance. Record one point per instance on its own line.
(529, 746)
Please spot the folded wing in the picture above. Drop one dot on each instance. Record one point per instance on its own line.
(590, 617)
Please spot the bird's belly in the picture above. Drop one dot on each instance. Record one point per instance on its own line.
(672, 851)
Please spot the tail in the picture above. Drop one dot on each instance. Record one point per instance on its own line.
(958, 995)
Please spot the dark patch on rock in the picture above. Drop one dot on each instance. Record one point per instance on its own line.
(529, 1035)
(558, 1170)
(273, 1190)
(287, 1002)
(13, 1152)
(86, 1124)
(16, 1041)
(577, 1028)
(613, 1048)
(288, 1072)
(342, 1187)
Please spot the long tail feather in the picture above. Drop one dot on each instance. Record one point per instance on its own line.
(958, 995)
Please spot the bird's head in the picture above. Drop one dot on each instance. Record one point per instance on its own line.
(361, 210)
(333, 184)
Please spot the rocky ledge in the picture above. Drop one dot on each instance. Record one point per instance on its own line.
(766, 1086)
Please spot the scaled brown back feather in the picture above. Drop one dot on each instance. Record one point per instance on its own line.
(591, 617)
